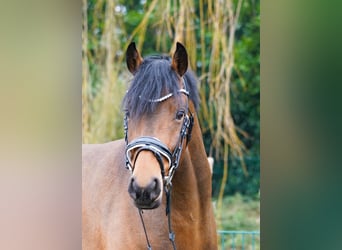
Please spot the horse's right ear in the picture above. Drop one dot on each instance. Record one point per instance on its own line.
(133, 58)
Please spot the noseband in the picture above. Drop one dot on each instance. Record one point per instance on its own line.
(159, 150)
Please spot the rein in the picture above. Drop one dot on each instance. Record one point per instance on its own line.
(159, 149)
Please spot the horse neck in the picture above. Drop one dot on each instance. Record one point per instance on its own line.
(192, 211)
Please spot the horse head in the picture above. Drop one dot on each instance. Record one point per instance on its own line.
(157, 122)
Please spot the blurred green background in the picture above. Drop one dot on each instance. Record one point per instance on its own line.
(222, 38)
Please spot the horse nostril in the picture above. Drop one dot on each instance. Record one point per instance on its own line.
(132, 185)
(154, 189)
(132, 189)
(154, 184)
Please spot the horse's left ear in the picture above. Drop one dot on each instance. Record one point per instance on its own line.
(180, 60)
(133, 58)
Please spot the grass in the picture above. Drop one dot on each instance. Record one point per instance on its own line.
(240, 213)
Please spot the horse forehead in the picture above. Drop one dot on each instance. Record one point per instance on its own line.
(162, 115)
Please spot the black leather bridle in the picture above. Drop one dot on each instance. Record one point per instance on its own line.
(159, 150)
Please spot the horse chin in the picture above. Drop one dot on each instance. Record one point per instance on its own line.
(154, 204)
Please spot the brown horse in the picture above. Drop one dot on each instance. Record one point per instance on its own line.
(163, 148)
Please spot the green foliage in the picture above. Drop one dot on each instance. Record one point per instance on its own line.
(237, 181)
(246, 90)
(245, 105)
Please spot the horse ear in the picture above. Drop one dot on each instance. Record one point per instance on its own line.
(133, 58)
(180, 60)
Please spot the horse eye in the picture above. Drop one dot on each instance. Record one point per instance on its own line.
(180, 114)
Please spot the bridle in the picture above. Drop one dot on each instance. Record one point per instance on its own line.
(159, 150)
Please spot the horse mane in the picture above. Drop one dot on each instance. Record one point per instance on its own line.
(154, 79)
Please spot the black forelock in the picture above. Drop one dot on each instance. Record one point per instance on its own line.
(154, 79)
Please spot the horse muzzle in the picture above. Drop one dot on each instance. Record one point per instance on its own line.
(146, 185)
(147, 197)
